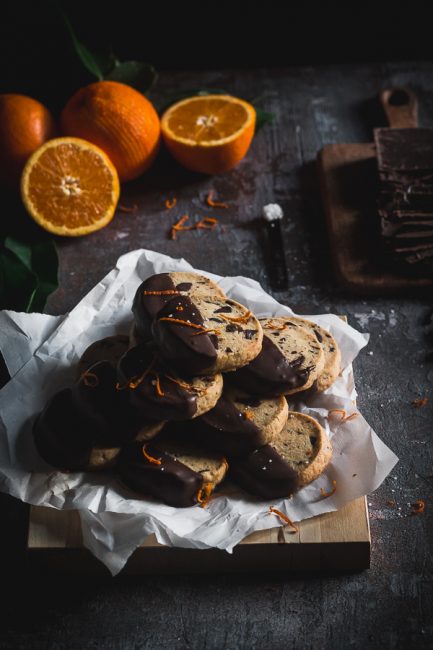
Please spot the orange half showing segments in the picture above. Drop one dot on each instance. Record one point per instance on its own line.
(209, 134)
(70, 187)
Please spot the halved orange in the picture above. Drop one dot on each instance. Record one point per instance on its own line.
(209, 134)
(70, 187)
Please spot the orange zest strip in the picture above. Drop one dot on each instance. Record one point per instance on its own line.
(203, 495)
(270, 325)
(90, 379)
(238, 319)
(420, 402)
(214, 204)
(248, 414)
(203, 330)
(170, 203)
(207, 223)
(208, 331)
(158, 388)
(341, 412)
(136, 381)
(183, 384)
(179, 226)
(150, 458)
(284, 518)
(418, 507)
(351, 417)
(325, 494)
(127, 209)
(164, 292)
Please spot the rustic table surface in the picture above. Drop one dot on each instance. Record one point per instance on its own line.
(389, 605)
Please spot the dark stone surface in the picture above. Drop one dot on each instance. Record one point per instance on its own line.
(388, 606)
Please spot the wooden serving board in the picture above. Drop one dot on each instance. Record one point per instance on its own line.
(337, 541)
(348, 174)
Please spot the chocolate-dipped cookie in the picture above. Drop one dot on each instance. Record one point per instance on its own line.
(240, 423)
(297, 455)
(206, 335)
(332, 363)
(157, 391)
(110, 348)
(290, 360)
(65, 440)
(157, 290)
(168, 470)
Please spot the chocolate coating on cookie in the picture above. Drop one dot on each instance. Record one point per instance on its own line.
(163, 477)
(144, 378)
(190, 349)
(145, 307)
(109, 349)
(62, 437)
(106, 409)
(270, 374)
(225, 429)
(264, 473)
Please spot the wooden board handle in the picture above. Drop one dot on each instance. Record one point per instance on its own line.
(401, 107)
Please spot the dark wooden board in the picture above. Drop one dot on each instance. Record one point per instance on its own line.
(348, 185)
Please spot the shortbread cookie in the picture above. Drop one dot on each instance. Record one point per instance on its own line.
(156, 291)
(156, 391)
(107, 410)
(64, 440)
(171, 471)
(291, 359)
(111, 348)
(207, 335)
(240, 423)
(295, 457)
(332, 366)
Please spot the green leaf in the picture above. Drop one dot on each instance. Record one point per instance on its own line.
(17, 283)
(28, 274)
(97, 64)
(262, 117)
(141, 76)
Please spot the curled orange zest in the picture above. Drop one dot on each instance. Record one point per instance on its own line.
(183, 384)
(418, 506)
(170, 203)
(351, 417)
(270, 325)
(420, 402)
(203, 330)
(341, 412)
(238, 319)
(208, 331)
(164, 292)
(136, 381)
(325, 494)
(127, 209)
(90, 379)
(158, 388)
(214, 204)
(150, 458)
(284, 518)
(248, 414)
(203, 494)
(207, 223)
(179, 226)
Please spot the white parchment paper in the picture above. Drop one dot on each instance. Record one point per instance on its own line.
(40, 352)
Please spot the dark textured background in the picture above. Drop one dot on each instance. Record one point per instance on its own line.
(389, 606)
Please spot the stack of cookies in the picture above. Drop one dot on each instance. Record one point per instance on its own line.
(195, 393)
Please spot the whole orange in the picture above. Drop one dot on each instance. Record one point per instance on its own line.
(119, 120)
(25, 124)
